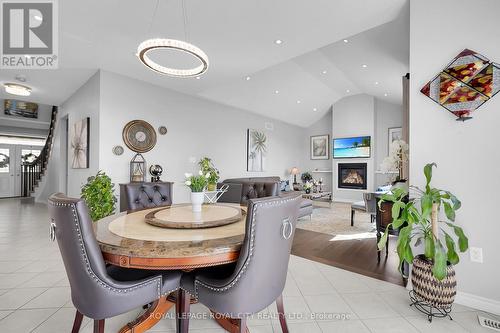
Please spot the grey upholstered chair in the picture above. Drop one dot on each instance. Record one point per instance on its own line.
(368, 205)
(97, 291)
(145, 195)
(259, 276)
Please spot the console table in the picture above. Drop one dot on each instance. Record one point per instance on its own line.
(317, 195)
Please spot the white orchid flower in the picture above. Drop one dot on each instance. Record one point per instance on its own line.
(187, 182)
(207, 175)
(188, 175)
(200, 173)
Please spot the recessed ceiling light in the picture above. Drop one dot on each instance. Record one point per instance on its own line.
(276, 91)
(315, 109)
(248, 78)
(347, 91)
(324, 72)
(17, 89)
(346, 41)
(197, 78)
(386, 94)
(278, 42)
(376, 82)
(364, 65)
(298, 102)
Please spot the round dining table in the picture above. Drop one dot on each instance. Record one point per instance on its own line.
(127, 240)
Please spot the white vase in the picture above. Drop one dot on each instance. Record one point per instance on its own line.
(197, 199)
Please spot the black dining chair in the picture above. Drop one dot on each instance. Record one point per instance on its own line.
(258, 278)
(99, 291)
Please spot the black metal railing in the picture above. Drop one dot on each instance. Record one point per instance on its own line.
(32, 172)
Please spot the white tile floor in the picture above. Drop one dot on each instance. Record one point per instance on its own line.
(35, 294)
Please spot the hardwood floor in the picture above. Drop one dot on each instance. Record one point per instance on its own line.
(359, 255)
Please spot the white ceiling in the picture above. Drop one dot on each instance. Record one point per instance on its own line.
(238, 36)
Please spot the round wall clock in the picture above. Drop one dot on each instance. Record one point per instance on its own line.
(139, 136)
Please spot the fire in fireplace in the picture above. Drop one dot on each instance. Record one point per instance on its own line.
(352, 176)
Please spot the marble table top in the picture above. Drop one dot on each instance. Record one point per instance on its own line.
(128, 234)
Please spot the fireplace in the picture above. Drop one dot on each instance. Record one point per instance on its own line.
(352, 176)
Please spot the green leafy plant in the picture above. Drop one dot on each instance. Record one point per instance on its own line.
(98, 193)
(197, 183)
(306, 177)
(417, 219)
(207, 166)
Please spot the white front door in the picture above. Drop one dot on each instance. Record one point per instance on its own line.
(7, 170)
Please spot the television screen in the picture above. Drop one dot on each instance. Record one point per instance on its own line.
(357, 147)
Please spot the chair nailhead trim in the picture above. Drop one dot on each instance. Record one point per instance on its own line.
(89, 268)
(248, 259)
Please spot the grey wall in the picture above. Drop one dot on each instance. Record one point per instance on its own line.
(354, 116)
(321, 127)
(387, 115)
(196, 128)
(466, 153)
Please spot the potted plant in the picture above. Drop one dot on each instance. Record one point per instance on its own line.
(398, 156)
(306, 177)
(433, 275)
(207, 166)
(197, 185)
(307, 187)
(98, 193)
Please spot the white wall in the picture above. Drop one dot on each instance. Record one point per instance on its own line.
(196, 128)
(387, 115)
(466, 153)
(354, 116)
(321, 127)
(83, 103)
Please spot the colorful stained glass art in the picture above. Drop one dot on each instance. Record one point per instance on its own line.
(465, 84)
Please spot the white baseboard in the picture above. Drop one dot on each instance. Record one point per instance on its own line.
(478, 302)
(343, 200)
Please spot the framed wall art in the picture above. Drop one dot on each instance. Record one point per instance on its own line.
(80, 138)
(319, 147)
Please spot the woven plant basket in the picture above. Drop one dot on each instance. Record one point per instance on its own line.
(427, 288)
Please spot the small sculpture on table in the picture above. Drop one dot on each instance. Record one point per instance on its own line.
(155, 171)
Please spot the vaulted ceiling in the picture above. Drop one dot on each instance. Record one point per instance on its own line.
(248, 70)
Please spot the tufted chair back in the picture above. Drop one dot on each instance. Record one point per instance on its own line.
(253, 188)
(259, 276)
(145, 195)
(93, 291)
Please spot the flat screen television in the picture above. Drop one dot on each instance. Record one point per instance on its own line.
(356, 147)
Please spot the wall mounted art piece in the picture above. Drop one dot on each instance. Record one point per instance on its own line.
(139, 136)
(80, 136)
(117, 150)
(256, 150)
(395, 133)
(465, 84)
(355, 147)
(162, 130)
(319, 147)
(16, 108)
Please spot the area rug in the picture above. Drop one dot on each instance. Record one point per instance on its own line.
(336, 220)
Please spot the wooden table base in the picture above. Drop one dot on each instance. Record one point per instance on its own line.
(148, 319)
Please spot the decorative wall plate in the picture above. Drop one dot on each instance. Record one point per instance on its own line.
(117, 150)
(162, 130)
(139, 136)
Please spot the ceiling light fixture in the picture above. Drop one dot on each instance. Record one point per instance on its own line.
(17, 89)
(276, 91)
(324, 72)
(386, 94)
(248, 78)
(376, 82)
(346, 41)
(278, 42)
(364, 65)
(198, 77)
(347, 91)
(298, 102)
(172, 44)
(315, 109)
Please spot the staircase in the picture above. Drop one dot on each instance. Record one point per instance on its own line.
(32, 172)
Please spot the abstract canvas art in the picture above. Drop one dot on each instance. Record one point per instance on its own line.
(256, 150)
(319, 147)
(80, 135)
(465, 84)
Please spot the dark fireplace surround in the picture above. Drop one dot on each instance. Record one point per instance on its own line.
(352, 176)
